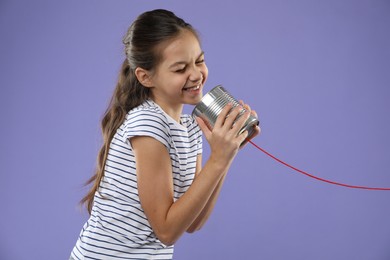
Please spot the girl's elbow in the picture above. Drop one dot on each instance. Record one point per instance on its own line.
(168, 242)
(194, 228)
(167, 239)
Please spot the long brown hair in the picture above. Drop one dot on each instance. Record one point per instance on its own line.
(141, 40)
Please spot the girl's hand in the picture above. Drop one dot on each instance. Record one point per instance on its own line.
(224, 139)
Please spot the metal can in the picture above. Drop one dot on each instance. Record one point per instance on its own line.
(212, 104)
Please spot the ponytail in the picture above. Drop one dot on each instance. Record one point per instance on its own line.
(128, 94)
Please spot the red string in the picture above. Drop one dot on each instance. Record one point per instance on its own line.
(315, 177)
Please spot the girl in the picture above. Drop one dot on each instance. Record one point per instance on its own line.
(149, 187)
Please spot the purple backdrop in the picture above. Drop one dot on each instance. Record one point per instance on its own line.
(317, 72)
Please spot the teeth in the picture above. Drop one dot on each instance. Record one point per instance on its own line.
(193, 88)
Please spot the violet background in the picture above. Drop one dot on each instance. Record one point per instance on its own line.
(317, 72)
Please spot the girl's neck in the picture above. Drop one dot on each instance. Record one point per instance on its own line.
(173, 110)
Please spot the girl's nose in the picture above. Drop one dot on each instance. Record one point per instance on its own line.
(196, 74)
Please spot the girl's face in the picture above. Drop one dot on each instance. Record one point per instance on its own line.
(179, 77)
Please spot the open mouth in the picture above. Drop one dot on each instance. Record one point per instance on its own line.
(192, 88)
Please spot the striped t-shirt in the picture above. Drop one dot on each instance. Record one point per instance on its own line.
(118, 227)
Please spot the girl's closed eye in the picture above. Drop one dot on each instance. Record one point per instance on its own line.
(181, 70)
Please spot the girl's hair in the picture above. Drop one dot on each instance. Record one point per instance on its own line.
(141, 42)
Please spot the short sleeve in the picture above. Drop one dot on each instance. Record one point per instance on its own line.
(145, 123)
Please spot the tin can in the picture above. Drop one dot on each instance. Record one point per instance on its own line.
(212, 104)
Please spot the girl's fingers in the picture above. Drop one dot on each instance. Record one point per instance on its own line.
(242, 139)
(222, 116)
(246, 106)
(253, 112)
(239, 124)
(230, 121)
(205, 129)
(228, 118)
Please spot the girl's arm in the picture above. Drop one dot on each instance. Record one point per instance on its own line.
(206, 212)
(168, 218)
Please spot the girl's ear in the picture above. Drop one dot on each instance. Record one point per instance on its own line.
(144, 77)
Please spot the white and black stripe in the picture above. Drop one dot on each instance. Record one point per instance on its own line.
(118, 227)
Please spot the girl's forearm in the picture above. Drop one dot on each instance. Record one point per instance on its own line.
(195, 206)
(206, 212)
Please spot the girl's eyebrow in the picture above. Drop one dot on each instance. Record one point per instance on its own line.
(184, 62)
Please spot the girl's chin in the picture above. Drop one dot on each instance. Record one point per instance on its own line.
(193, 102)
(194, 98)
(197, 99)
